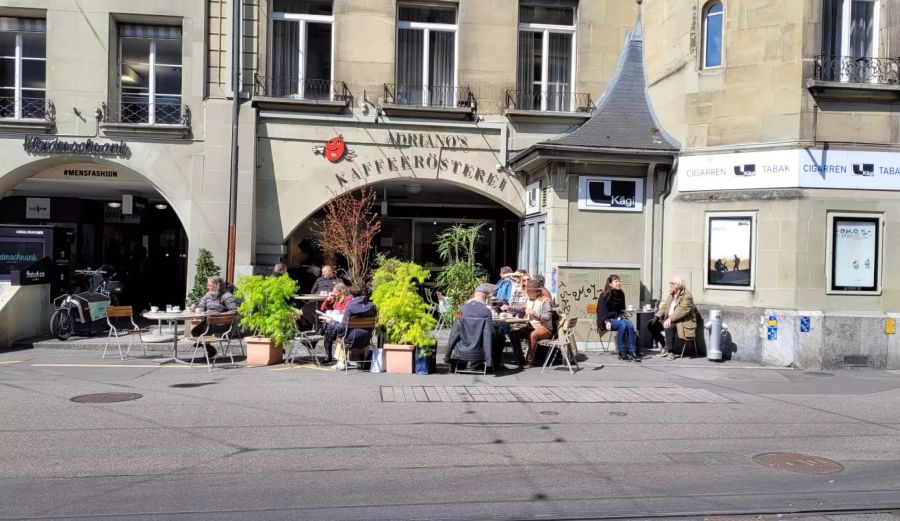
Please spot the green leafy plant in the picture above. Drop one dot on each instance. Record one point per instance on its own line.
(461, 274)
(265, 308)
(205, 268)
(402, 312)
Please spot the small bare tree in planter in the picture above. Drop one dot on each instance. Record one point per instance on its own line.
(348, 229)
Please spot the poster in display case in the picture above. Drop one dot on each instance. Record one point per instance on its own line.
(729, 250)
(854, 261)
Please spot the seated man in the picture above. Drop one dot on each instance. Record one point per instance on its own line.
(503, 288)
(356, 339)
(475, 331)
(537, 310)
(326, 282)
(675, 317)
(216, 300)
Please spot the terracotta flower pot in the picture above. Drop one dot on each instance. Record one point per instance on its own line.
(398, 358)
(262, 351)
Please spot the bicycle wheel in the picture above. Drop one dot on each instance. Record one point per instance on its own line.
(61, 324)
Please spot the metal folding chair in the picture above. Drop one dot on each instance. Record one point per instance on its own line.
(367, 323)
(564, 344)
(224, 324)
(116, 332)
(304, 339)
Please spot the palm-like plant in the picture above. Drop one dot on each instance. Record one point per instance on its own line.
(461, 274)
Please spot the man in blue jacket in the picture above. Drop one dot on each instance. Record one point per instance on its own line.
(503, 288)
(360, 306)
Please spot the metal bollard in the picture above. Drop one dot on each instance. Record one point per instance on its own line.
(715, 326)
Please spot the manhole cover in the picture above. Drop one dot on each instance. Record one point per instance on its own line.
(795, 462)
(550, 413)
(106, 397)
(618, 413)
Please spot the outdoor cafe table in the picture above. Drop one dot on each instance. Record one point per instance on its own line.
(311, 297)
(173, 318)
(512, 321)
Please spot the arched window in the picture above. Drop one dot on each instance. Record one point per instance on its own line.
(713, 28)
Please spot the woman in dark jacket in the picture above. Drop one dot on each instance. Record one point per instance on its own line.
(610, 317)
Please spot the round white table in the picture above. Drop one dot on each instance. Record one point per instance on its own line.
(173, 318)
(310, 297)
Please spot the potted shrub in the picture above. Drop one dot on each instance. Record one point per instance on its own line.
(461, 275)
(205, 267)
(403, 314)
(266, 311)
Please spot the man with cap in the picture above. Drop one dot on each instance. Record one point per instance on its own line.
(477, 305)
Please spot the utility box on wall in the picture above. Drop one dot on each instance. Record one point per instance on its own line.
(578, 286)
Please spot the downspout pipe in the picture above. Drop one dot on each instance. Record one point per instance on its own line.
(235, 110)
(667, 190)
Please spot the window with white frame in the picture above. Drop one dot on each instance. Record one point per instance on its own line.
(730, 247)
(23, 68)
(426, 55)
(302, 49)
(854, 253)
(713, 30)
(850, 28)
(533, 245)
(149, 75)
(850, 34)
(546, 62)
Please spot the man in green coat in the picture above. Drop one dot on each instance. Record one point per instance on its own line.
(676, 317)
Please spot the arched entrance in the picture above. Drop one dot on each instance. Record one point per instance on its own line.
(100, 213)
(413, 212)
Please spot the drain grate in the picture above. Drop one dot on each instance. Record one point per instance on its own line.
(550, 413)
(796, 462)
(817, 373)
(618, 413)
(106, 397)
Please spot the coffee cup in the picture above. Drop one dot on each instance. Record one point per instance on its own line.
(176, 309)
(629, 307)
(154, 309)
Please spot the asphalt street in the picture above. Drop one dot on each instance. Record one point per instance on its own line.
(667, 440)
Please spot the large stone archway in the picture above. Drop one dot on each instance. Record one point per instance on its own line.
(295, 178)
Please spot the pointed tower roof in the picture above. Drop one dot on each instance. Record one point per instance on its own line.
(623, 121)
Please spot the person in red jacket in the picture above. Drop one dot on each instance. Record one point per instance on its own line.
(337, 300)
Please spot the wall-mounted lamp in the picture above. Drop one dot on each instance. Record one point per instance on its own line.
(160, 206)
(114, 204)
(413, 188)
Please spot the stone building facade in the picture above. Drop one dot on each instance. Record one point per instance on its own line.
(748, 146)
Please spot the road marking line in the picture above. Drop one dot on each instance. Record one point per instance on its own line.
(113, 365)
(10, 362)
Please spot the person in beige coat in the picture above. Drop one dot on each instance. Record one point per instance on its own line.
(676, 318)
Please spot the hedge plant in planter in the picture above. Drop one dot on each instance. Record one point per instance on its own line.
(266, 311)
(403, 314)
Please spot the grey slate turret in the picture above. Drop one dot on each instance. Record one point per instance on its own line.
(622, 121)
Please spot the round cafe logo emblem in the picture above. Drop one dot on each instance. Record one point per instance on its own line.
(334, 150)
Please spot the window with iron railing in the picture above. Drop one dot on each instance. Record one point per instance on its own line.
(23, 68)
(850, 42)
(150, 75)
(302, 51)
(546, 61)
(426, 55)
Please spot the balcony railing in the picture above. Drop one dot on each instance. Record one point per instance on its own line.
(27, 108)
(301, 88)
(145, 113)
(847, 69)
(554, 101)
(430, 96)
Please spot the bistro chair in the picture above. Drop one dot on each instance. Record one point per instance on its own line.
(308, 340)
(219, 329)
(606, 337)
(564, 344)
(367, 323)
(120, 313)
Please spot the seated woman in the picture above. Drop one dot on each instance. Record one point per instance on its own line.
(610, 317)
(337, 300)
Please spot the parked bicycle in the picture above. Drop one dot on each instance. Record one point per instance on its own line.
(84, 308)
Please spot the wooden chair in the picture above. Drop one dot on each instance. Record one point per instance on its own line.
(564, 343)
(367, 323)
(120, 312)
(219, 327)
